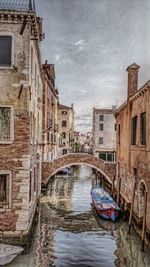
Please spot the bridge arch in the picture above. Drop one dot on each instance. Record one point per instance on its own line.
(107, 169)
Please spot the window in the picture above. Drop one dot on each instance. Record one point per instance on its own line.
(107, 156)
(64, 123)
(101, 127)
(100, 140)
(52, 138)
(115, 127)
(5, 50)
(102, 155)
(133, 130)
(48, 136)
(143, 128)
(110, 156)
(101, 117)
(64, 134)
(64, 151)
(64, 112)
(4, 190)
(5, 124)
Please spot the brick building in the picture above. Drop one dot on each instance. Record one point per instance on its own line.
(104, 134)
(66, 129)
(133, 152)
(20, 116)
(50, 123)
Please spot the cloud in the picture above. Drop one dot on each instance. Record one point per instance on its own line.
(62, 60)
(80, 42)
(80, 45)
(92, 50)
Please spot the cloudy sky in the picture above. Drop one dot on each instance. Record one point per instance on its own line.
(91, 43)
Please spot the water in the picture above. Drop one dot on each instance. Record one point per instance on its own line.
(70, 233)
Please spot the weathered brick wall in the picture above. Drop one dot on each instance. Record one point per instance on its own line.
(50, 168)
(134, 156)
(18, 90)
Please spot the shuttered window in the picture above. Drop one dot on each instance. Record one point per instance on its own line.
(134, 130)
(5, 50)
(143, 128)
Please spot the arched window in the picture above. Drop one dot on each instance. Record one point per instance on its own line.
(142, 191)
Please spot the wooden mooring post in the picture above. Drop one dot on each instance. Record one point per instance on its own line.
(118, 193)
(144, 221)
(113, 186)
(132, 205)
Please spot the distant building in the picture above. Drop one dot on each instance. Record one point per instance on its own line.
(20, 116)
(66, 129)
(50, 121)
(104, 134)
(133, 151)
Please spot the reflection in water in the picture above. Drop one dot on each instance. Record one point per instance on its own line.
(71, 234)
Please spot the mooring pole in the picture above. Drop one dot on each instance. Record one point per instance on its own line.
(144, 221)
(132, 204)
(112, 187)
(118, 193)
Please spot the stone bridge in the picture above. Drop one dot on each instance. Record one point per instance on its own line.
(107, 169)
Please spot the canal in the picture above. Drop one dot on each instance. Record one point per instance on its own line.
(69, 233)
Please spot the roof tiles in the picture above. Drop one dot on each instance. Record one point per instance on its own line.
(17, 5)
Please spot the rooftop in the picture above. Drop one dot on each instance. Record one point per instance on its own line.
(18, 5)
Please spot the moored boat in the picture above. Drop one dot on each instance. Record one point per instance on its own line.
(104, 204)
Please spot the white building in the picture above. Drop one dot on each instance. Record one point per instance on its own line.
(104, 134)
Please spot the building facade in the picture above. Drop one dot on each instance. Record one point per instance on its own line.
(50, 122)
(66, 129)
(133, 152)
(104, 134)
(20, 116)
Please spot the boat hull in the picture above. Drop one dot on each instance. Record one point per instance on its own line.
(105, 206)
(108, 214)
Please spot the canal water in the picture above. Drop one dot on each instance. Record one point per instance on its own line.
(69, 232)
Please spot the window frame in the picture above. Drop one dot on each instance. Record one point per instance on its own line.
(62, 123)
(142, 130)
(101, 127)
(101, 137)
(134, 129)
(5, 172)
(11, 124)
(9, 34)
(100, 117)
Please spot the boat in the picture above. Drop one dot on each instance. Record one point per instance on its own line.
(65, 171)
(8, 253)
(104, 204)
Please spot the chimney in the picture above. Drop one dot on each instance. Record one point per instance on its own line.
(132, 79)
(72, 105)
